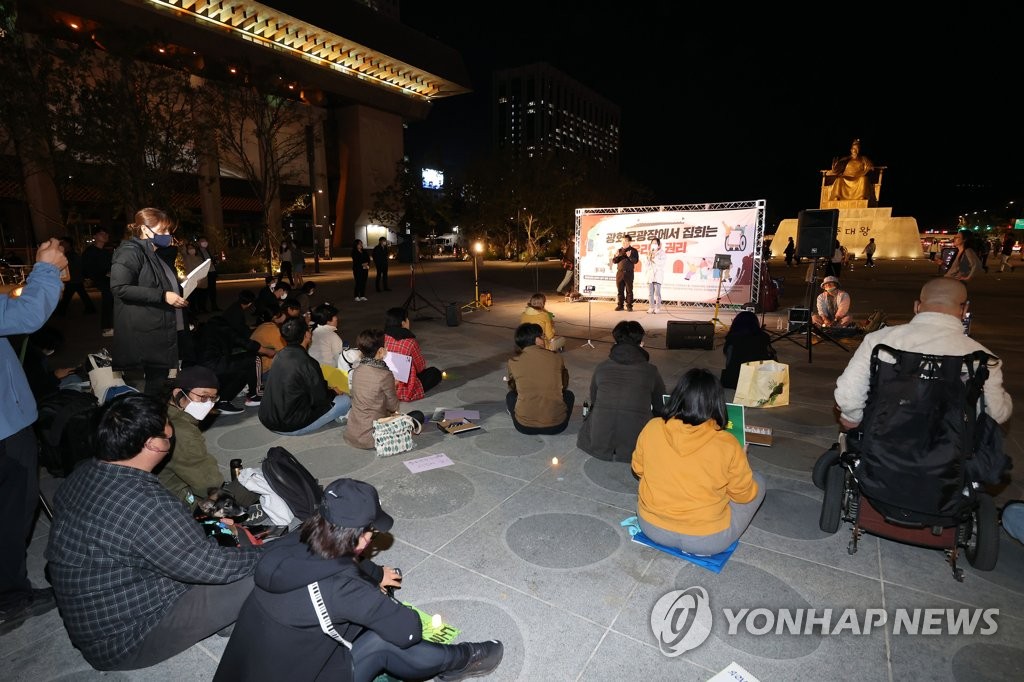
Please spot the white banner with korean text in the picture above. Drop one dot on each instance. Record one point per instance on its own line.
(711, 250)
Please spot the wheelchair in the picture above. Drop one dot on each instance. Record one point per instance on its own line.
(902, 475)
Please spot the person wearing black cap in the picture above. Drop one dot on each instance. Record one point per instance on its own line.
(191, 471)
(320, 611)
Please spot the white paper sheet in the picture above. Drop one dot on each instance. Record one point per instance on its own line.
(400, 365)
(192, 280)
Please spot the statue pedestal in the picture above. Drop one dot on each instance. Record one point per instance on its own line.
(894, 237)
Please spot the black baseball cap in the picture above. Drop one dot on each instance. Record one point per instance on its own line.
(349, 503)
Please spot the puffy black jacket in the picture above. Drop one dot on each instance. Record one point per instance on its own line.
(295, 393)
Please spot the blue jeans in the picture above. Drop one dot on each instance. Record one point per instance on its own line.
(1013, 520)
(654, 299)
(342, 404)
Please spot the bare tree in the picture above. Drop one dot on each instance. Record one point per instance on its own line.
(260, 136)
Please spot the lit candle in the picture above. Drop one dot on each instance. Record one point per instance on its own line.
(444, 375)
(436, 620)
(554, 461)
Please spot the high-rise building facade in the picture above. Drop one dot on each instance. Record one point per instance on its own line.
(538, 110)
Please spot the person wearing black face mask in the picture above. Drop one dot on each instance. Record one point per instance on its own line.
(149, 320)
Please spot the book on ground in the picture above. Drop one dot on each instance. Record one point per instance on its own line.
(457, 425)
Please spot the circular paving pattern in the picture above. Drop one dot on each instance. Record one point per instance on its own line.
(488, 620)
(788, 452)
(614, 476)
(562, 540)
(508, 443)
(787, 514)
(340, 463)
(246, 438)
(749, 587)
(976, 662)
(427, 494)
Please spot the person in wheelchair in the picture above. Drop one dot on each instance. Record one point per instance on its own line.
(936, 328)
(909, 466)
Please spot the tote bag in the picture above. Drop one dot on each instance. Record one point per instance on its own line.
(763, 384)
(393, 435)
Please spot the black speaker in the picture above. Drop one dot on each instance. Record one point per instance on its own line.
(453, 314)
(816, 233)
(692, 335)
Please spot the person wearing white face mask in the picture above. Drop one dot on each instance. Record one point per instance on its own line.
(191, 470)
(655, 275)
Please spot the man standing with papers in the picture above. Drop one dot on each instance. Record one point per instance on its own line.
(398, 339)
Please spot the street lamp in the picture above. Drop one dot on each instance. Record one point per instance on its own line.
(475, 304)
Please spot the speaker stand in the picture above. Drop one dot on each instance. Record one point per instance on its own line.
(413, 301)
(718, 301)
(589, 327)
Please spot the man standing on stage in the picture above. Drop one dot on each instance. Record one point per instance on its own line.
(626, 259)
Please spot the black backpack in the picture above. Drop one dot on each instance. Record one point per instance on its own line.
(918, 432)
(292, 482)
(64, 429)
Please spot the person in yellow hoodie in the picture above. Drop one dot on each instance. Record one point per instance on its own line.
(536, 313)
(697, 491)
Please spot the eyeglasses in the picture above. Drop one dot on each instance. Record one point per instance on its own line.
(372, 531)
(200, 398)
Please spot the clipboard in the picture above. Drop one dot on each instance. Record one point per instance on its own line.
(400, 365)
(192, 280)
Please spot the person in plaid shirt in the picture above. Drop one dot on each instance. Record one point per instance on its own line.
(398, 339)
(137, 579)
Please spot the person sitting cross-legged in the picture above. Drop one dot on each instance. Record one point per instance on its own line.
(538, 399)
(833, 305)
(297, 399)
(697, 492)
(372, 387)
(399, 339)
(191, 472)
(137, 579)
(625, 392)
(321, 611)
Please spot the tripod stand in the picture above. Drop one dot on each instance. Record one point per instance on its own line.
(718, 300)
(809, 329)
(722, 263)
(414, 299)
(589, 325)
(475, 304)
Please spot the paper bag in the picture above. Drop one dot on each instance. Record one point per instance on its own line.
(763, 384)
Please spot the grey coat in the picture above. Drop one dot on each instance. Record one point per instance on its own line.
(625, 392)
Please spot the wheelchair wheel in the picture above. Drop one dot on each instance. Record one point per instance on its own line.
(832, 502)
(823, 465)
(983, 545)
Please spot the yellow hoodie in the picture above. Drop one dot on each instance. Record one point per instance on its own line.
(688, 476)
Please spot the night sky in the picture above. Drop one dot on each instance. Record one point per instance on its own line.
(751, 106)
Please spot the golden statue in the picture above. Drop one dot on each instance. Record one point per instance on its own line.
(852, 176)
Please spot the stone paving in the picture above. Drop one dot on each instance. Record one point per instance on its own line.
(506, 543)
